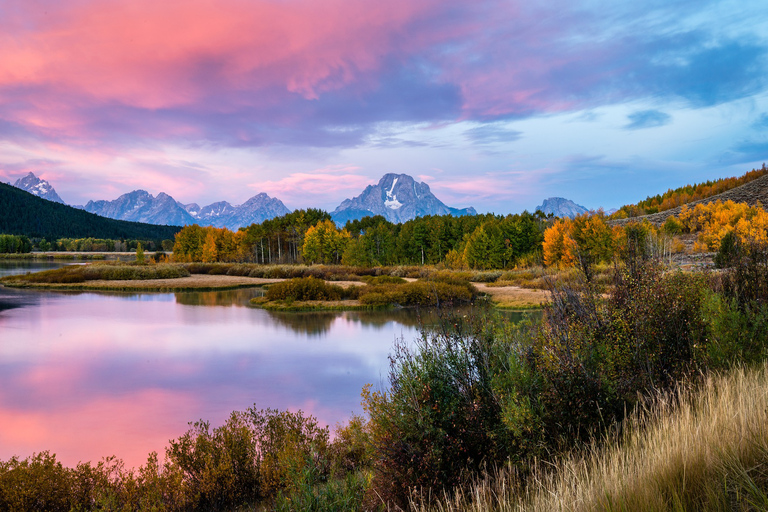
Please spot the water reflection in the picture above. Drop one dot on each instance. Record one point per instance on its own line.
(13, 267)
(239, 297)
(87, 375)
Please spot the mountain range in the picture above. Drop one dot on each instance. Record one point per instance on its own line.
(397, 197)
(24, 213)
(141, 206)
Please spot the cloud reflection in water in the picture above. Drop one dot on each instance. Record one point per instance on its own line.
(89, 375)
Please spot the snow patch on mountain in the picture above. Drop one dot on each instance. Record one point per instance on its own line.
(40, 188)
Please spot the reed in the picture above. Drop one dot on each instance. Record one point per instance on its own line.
(700, 448)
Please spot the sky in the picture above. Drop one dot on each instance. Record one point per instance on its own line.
(496, 104)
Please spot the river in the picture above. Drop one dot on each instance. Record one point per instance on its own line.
(86, 375)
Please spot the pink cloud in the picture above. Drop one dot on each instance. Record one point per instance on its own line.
(500, 187)
(328, 184)
(155, 55)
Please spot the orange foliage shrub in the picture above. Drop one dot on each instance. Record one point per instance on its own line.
(714, 220)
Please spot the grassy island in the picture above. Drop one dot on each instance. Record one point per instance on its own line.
(310, 293)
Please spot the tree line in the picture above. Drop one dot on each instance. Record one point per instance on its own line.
(310, 236)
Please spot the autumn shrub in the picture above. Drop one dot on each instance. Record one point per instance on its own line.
(133, 272)
(38, 483)
(439, 421)
(304, 288)
(384, 279)
(486, 277)
(417, 293)
(746, 277)
(538, 389)
(219, 466)
(738, 313)
(107, 271)
(63, 275)
(351, 450)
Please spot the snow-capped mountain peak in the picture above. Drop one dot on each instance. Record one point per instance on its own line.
(398, 198)
(41, 188)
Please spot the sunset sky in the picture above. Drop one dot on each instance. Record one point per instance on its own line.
(496, 104)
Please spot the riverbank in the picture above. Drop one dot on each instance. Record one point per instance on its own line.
(196, 282)
(114, 277)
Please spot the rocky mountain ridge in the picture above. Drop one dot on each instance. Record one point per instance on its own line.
(561, 207)
(396, 197)
(141, 206)
(38, 187)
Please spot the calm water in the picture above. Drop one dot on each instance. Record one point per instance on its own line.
(86, 375)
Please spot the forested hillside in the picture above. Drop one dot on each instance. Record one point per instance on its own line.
(22, 213)
(674, 198)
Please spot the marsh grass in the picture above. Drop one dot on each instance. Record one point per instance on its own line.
(540, 277)
(697, 449)
(105, 271)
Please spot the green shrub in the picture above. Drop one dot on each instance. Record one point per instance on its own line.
(486, 277)
(304, 288)
(374, 280)
(417, 293)
(439, 421)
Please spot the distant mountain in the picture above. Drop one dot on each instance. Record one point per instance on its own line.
(398, 198)
(22, 213)
(257, 209)
(141, 206)
(561, 207)
(41, 188)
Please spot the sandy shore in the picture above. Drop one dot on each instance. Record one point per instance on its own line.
(513, 296)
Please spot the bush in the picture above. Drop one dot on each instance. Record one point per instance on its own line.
(417, 293)
(304, 288)
(439, 422)
(374, 280)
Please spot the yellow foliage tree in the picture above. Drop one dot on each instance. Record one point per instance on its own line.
(554, 245)
(586, 239)
(324, 243)
(209, 252)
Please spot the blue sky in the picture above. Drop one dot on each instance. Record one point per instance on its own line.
(495, 104)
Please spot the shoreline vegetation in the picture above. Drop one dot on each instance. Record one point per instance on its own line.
(506, 290)
(639, 388)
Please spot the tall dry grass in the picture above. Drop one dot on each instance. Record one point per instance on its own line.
(702, 450)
